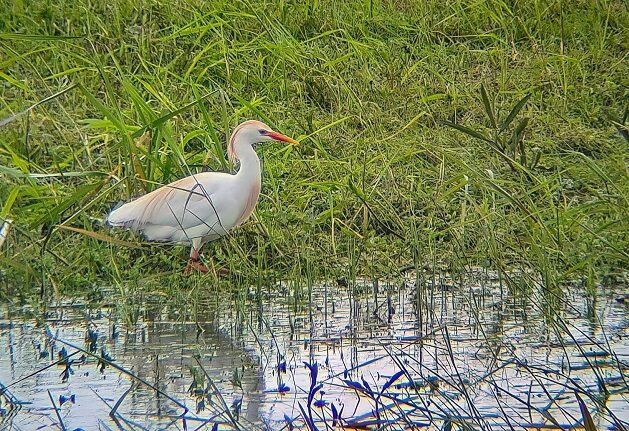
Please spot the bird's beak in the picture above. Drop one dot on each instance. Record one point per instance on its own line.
(283, 138)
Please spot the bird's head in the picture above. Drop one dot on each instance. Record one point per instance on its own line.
(251, 132)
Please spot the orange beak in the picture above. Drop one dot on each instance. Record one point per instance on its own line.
(283, 138)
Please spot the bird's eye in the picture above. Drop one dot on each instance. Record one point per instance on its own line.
(262, 131)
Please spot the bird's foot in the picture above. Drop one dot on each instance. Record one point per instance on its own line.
(195, 265)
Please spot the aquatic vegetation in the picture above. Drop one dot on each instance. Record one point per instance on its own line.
(488, 362)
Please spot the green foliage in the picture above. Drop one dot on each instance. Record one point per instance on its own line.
(102, 101)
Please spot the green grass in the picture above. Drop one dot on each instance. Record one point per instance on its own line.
(383, 180)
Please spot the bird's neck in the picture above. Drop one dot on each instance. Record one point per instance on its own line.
(249, 164)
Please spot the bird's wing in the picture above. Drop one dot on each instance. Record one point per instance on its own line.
(178, 211)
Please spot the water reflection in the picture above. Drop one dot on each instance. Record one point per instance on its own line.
(470, 352)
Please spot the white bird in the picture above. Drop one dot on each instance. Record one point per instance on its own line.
(205, 206)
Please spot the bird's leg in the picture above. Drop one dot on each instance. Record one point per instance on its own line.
(195, 263)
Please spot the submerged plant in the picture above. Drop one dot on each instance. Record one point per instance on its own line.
(307, 413)
(64, 399)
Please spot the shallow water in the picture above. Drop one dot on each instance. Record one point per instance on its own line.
(479, 357)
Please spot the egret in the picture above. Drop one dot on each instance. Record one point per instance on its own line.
(205, 206)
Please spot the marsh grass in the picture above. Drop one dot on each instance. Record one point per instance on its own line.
(97, 110)
(552, 370)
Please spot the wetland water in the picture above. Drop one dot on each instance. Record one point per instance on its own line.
(478, 357)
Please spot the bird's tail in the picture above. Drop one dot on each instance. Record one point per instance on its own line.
(123, 215)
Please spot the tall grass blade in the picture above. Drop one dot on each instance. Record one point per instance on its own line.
(100, 236)
(54, 406)
(8, 204)
(36, 37)
(489, 109)
(514, 112)
(165, 117)
(10, 118)
(15, 173)
(588, 422)
(468, 131)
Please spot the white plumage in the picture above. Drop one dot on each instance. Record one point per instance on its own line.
(205, 206)
(183, 210)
